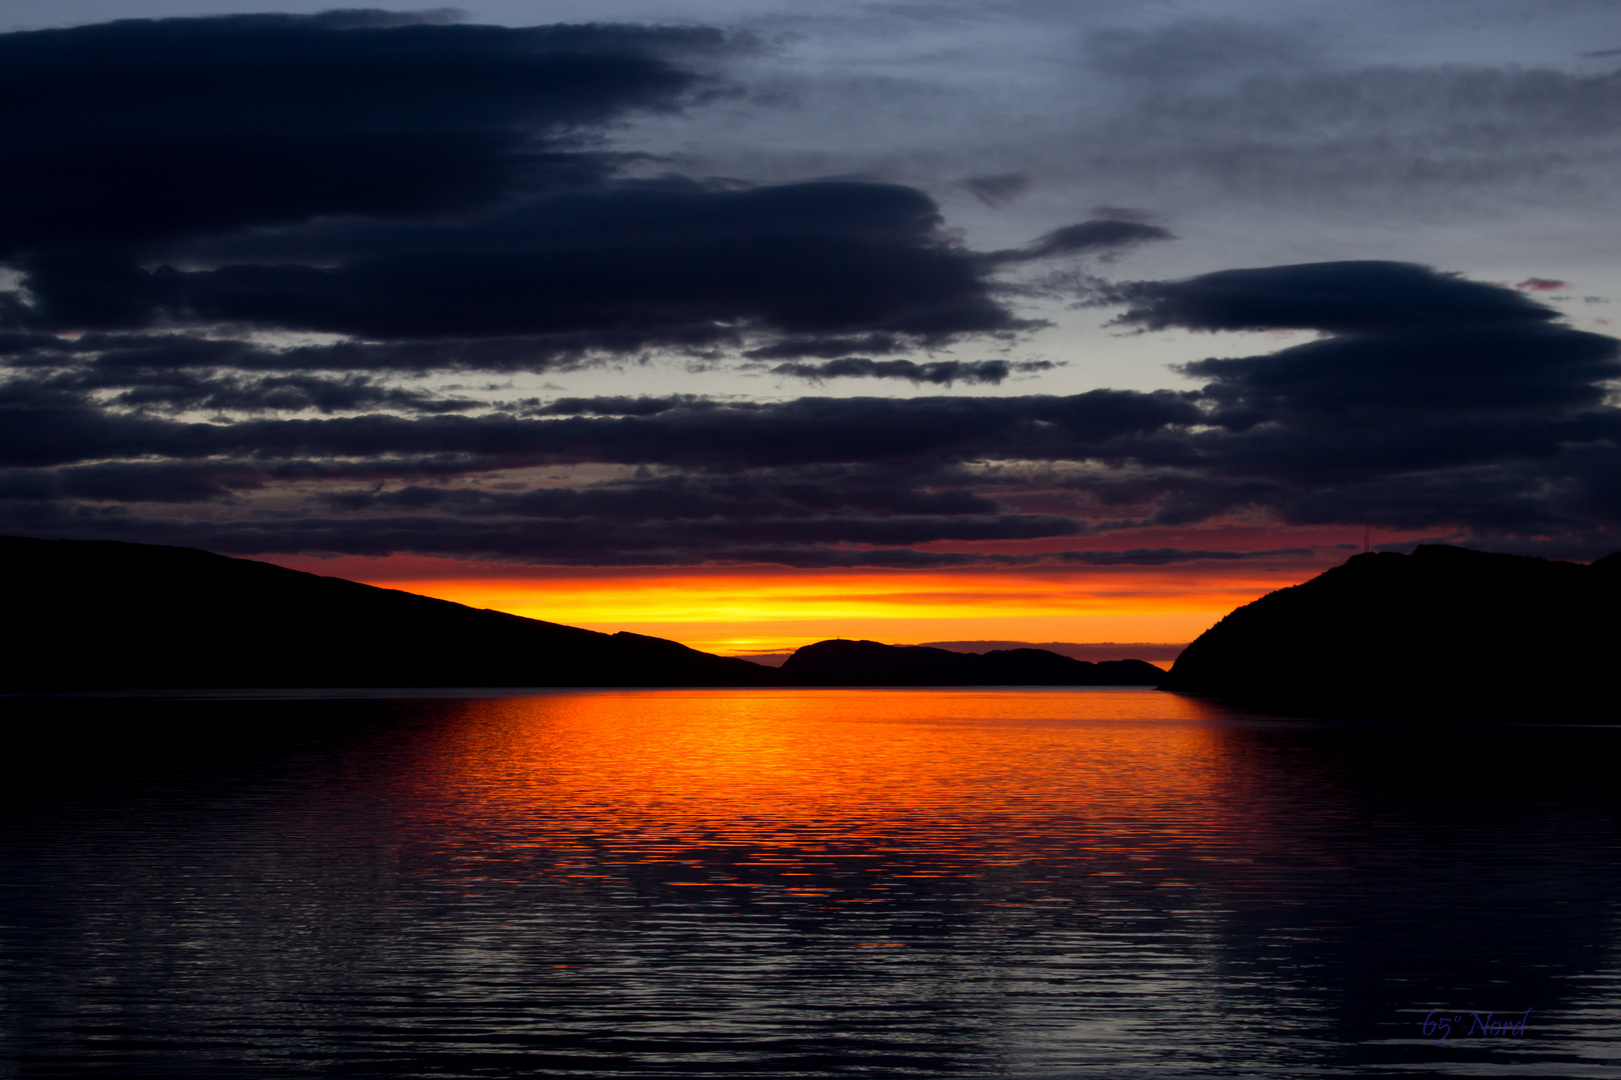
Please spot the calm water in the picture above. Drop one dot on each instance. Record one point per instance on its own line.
(799, 883)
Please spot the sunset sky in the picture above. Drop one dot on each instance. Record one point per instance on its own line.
(751, 324)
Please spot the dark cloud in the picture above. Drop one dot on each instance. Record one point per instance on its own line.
(431, 197)
(673, 431)
(1412, 355)
(844, 518)
(644, 260)
(172, 390)
(938, 372)
(1444, 376)
(1430, 403)
(427, 198)
(132, 482)
(1337, 297)
(618, 268)
(283, 393)
(847, 540)
(784, 496)
(1104, 235)
(141, 130)
(826, 347)
(623, 406)
(1168, 556)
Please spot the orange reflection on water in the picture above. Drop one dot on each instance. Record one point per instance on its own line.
(824, 791)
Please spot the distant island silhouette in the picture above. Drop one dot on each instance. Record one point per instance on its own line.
(108, 615)
(1443, 633)
(868, 663)
(1094, 651)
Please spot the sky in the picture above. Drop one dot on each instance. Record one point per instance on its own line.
(996, 321)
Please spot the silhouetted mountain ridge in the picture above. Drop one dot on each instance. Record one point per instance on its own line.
(86, 615)
(1445, 632)
(104, 614)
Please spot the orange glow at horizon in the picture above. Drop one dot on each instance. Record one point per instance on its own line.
(733, 610)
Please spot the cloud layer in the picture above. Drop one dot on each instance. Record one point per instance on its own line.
(1486, 417)
(258, 260)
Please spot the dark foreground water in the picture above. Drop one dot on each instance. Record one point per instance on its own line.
(800, 883)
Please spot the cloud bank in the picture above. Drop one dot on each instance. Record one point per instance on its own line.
(257, 263)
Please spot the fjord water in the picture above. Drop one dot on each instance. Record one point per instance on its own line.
(700, 883)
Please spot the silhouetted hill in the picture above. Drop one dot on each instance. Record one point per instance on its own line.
(1443, 632)
(100, 614)
(867, 663)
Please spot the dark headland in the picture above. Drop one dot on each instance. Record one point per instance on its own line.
(1443, 633)
(89, 615)
(103, 614)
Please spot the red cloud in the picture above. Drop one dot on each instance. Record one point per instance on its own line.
(1538, 284)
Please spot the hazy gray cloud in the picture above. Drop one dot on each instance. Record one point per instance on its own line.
(998, 190)
(1168, 556)
(1278, 117)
